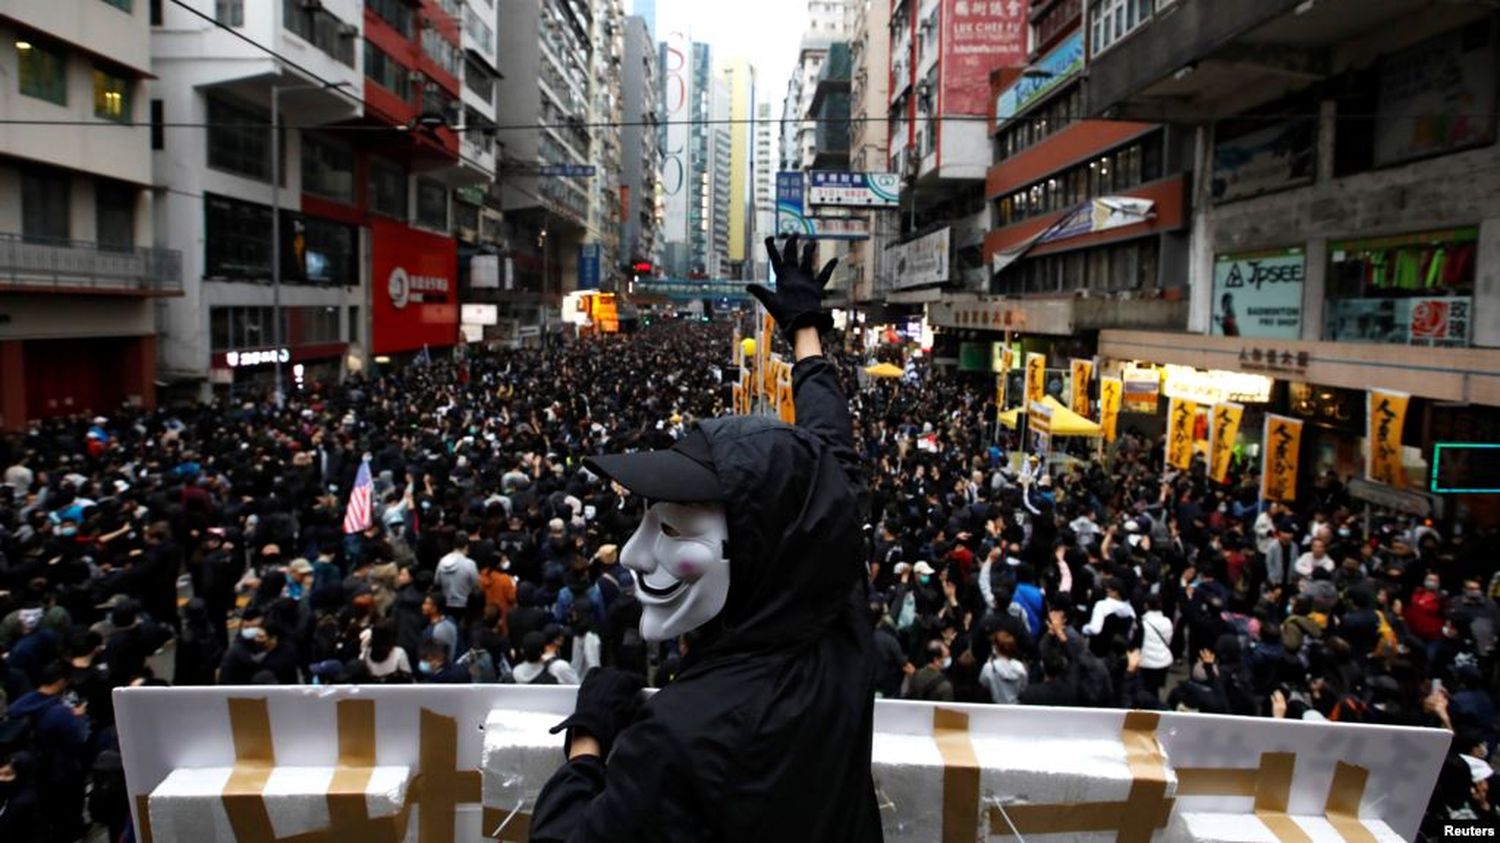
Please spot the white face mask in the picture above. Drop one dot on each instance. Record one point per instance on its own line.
(682, 574)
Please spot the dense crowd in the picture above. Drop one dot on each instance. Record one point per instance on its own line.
(206, 544)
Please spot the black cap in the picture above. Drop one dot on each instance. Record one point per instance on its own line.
(683, 473)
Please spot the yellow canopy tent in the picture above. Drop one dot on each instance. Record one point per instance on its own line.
(884, 370)
(1065, 422)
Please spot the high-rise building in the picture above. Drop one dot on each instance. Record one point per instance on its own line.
(870, 49)
(767, 160)
(739, 77)
(646, 11)
(365, 171)
(687, 150)
(79, 247)
(720, 169)
(639, 176)
(546, 65)
(599, 263)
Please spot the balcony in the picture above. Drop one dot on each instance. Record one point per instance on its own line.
(75, 266)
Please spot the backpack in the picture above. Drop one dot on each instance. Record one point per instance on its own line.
(545, 677)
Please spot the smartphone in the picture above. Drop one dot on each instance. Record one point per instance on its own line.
(1437, 686)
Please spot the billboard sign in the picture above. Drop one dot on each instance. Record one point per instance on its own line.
(979, 36)
(856, 190)
(1050, 71)
(1259, 294)
(676, 97)
(416, 284)
(1267, 159)
(922, 262)
(792, 216)
(588, 266)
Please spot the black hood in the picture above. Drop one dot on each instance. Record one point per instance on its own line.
(793, 535)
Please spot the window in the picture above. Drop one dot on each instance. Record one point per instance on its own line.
(432, 204)
(114, 215)
(158, 129)
(322, 29)
(396, 13)
(43, 70)
(1123, 169)
(327, 168)
(312, 325)
(44, 204)
(231, 12)
(328, 249)
(122, 5)
(387, 189)
(111, 96)
(386, 72)
(238, 140)
(436, 100)
(479, 80)
(440, 50)
(237, 238)
(355, 326)
(1111, 20)
(156, 12)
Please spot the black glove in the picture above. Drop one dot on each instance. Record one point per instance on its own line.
(608, 701)
(798, 300)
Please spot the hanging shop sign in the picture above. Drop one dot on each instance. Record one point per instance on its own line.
(792, 216)
(858, 190)
(1036, 377)
(1280, 450)
(258, 357)
(1212, 386)
(1385, 416)
(1259, 294)
(1182, 416)
(1223, 429)
(921, 262)
(1142, 387)
(1082, 373)
(1110, 392)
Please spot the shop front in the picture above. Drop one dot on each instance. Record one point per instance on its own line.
(253, 370)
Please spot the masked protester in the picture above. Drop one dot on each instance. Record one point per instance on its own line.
(750, 549)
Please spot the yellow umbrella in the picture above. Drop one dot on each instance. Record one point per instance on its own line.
(884, 370)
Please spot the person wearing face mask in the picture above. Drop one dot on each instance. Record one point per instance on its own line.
(435, 669)
(1424, 616)
(1479, 614)
(931, 682)
(751, 550)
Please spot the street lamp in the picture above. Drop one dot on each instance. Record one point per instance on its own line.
(276, 333)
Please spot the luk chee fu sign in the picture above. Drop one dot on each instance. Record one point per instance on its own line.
(415, 276)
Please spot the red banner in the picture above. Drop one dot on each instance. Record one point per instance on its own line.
(415, 279)
(978, 37)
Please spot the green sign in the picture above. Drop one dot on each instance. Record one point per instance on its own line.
(1465, 468)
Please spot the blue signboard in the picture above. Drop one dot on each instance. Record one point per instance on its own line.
(862, 190)
(792, 217)
(572, 171)
(1050, 70)
(588, 266)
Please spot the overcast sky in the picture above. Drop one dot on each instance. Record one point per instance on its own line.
(766, 32)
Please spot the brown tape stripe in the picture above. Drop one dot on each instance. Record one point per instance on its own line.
(1134, 820)
(254, 756)
(1273, 790)
(960, 775)
(143, 816)
(1216, 781)
(440, 785)
(1345, 793)
(347, 807)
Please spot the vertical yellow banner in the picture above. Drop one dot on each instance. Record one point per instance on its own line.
(1083, 373)
(1036, 377)
(1111, 390)
(1223, 428)
(737, 393)
(1385, 415)
(1278, 473)
(1002, 380)
(764, 385)
(737, 349)
(786, 406)
(1182, 414)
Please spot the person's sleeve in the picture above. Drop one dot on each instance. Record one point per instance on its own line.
(641, 788)
(985, 587)
(823, 410)
(1096, 619)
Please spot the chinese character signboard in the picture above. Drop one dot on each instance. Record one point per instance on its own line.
(978, 36)
(1182, 415)
(1258, 295)
(857, 190)
(1110, 392)
(1431, 321)
(1142, 386)
(1278, 473)
(1083, 372)
(1223, 429)
(1385, 416)
(792, 216)
(415, 275)
(588, 266)
(1036, 377)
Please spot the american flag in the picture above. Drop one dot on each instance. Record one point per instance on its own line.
(357, 516)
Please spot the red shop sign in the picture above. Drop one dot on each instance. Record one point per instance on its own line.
(415, 279)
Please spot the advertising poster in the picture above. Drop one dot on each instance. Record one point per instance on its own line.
(854, 190)
(1439, 322)
(1265, 160)
(415, 276)
(676, 96)
(979, 36)
(1279, 453)
(1142, 388)
(1082, 374)
(1386, 416)
(921, 262)
(1052, 70)
(1111, 390)
(1182, 415)
(1437, 96)
(1223, 429)
(1259, 295)
(1036, 377)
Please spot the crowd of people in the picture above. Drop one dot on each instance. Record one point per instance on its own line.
(206, 544)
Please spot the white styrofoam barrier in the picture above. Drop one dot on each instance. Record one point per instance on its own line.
(188, 805)
(1239, 828)
(1073, 756)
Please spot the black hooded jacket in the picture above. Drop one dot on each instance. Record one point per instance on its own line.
(765, 734)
